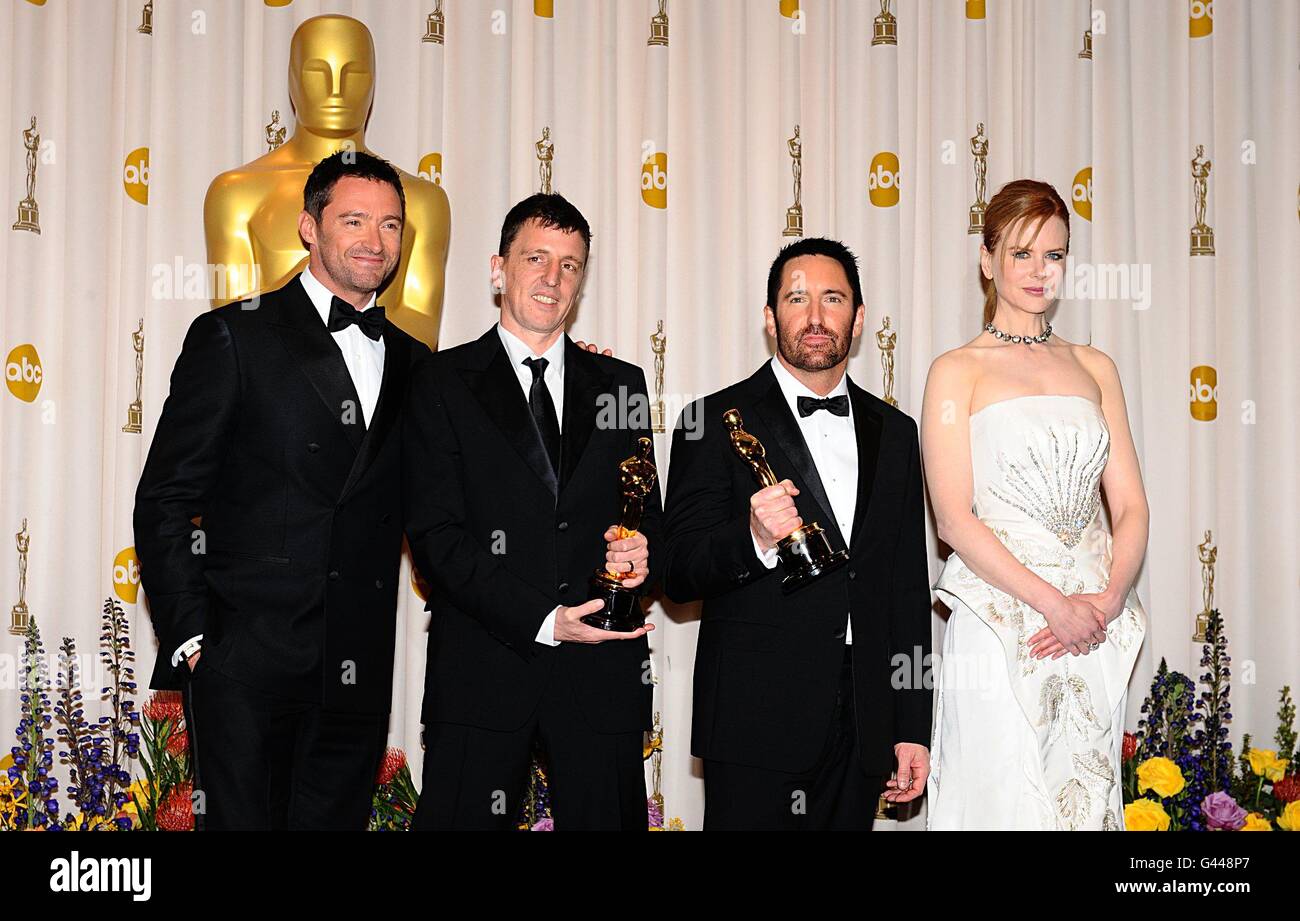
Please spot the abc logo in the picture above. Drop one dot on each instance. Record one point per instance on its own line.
(278, 2)
(789, 8)
(23, 373)
(654, 180)
(431, 168)
(1200, 18)
(544, 8)
(135, 175)
(883, 181)
(1204, 393)
(126, 575)
(1081, 193)
(974, 9)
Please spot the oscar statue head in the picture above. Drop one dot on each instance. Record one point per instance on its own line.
(332, 75)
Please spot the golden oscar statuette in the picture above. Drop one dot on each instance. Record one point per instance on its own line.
(805, 554)
(979, 148)
(250, 215)
(885, 26)
(622, 611)
(436, 26)
(20, 618)
(1208, 554)
(659, 26)
(794, 214)
(658, 345)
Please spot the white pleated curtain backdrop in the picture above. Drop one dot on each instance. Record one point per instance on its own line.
(700, 126)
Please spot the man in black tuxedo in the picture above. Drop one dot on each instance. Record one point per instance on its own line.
(282, 434)
(804, 703)
(512, 449)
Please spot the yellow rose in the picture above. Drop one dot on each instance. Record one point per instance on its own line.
(1256, 822)
(1289, 820)
(1267, 764)
(1145, 815)
(1161, 775)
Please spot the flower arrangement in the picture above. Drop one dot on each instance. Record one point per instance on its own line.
(1178, 772)
(393, 806)
(163, 798)
(94, 752)
(30, 782)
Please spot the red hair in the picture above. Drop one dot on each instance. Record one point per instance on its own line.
(1029, 200)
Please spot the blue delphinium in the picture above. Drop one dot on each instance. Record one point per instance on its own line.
(1166, 731)
(93, 752)
(33, 767)
(1214, 709)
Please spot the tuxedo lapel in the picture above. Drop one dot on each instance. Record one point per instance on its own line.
(496, 387)
(392, 388)
(868, 424)
(318, 357)
(774, 412)
(583, 383)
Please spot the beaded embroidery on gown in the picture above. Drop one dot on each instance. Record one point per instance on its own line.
(1023, 743)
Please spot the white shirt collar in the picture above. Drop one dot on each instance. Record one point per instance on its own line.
(517, 350)
(793, 388)
(321, 296)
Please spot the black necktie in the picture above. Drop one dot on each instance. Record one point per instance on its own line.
(343, 315)
(838, 406)
(543, 410)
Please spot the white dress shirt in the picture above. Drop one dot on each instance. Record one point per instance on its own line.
(364, 358)
(833, 444)
(553, 377)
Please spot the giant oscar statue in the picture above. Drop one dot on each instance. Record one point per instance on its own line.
(250, 215)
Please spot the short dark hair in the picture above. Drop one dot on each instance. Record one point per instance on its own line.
(325, 175)
(814, 246)
(549, 210)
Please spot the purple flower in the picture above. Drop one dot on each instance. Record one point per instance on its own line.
(1222, 812)
(654, 814)
(548, 824)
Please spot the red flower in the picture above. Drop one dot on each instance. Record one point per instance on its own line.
(1130, 746)
(1287, 790)
(178, 743)
(176, 811)
(392, 764)
(165, 705)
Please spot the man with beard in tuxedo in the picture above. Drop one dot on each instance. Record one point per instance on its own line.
(806, 702)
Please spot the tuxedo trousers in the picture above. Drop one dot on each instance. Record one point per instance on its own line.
(476, 778)
(267, 762)
(835, 794)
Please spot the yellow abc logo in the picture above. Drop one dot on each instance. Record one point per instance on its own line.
(1200, 18)
(544, 8)
(654, 180)
(974, 9)
(135, 175)
(1081, 193)
(789, 8)
(278, 2)
(23, 374)
(431, 168)
(884, 181)
(126, 575)
(1204, 393)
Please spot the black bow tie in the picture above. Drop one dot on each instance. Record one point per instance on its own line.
(343, 315)
(838, 406)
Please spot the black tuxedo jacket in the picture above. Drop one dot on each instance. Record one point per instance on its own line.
(501, 542)
(767, 665)
(292, 575)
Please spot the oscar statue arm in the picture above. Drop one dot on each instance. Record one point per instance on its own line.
(418, 308)
(230, 247)
(709, 549)
(197, 425)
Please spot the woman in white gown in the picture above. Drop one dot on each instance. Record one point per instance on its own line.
(1021, 433)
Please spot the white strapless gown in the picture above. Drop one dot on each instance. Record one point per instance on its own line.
(1024, 743)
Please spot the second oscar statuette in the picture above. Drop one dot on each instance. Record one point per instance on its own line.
(622, 611)
(805, 554)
